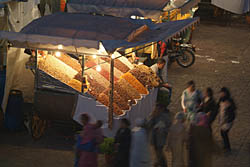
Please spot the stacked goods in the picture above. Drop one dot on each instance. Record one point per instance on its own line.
(117, 73)
(104, 99)
(56, 68)
(123, 93)
(118, 64)
(73, 63)
(145, 75)
(95, 88)
(75, 84)
(125, 61)
(132, 92)
(121, 103)
(97, 82)
(135, 83)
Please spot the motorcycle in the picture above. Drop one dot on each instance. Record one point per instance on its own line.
(182, 53)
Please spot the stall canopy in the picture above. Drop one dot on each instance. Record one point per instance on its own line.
(85, 34)
(234, 6)
(184, 5)
(151, 8)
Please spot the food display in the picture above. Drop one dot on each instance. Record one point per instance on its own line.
(130, 82)
(135, 83)
(56, 68)
(77, 85)
(145, 75)
(73, 63)
(104, 99)
(121, 103)
(131, 91)
(118, 64)
(125, 61)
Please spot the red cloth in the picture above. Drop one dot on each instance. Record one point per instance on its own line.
(163, 47)
(90, 133)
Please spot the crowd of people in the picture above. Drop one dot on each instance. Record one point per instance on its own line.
(188, 138)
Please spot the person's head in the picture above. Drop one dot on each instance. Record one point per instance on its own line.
(224, 93)
(191, 86)
(139, 122)
(161, 63)
(180, 117)
(99, 124)
(124, 123)
(209, 92)
(85, 119)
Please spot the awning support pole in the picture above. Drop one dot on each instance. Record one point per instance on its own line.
(111, 94)
(83, 84)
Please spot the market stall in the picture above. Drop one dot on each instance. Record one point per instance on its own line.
(78, 55)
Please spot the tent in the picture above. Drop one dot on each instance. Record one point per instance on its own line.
(83, 34)
(238, 7)
(150, 9)
(89, 33)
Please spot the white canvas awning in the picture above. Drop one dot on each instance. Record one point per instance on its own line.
(234, 6)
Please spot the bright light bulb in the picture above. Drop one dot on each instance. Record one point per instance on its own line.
(94, 56)
(60, 47)
(58, 54)
(98, 68)
(112, 56)
(133, 17)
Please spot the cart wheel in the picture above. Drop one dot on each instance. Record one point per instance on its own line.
(38, 127)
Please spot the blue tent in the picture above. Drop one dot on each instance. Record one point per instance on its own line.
(87, 33)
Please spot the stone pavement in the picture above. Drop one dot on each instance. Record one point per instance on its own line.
(223, 59)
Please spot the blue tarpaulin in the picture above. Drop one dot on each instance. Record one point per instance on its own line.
(77, 30)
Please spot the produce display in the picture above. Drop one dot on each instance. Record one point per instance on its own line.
(121, 103)
(77, 85)
(104, 99)
(131, 91)
(129, 82)
(56, 68)
(73, 63)
(145, 75)
(118, 64)
(135, 83)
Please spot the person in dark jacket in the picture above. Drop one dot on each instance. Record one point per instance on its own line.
(226, 108)
(209, 106)
(122, 144)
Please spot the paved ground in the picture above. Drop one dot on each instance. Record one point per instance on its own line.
(223, 59)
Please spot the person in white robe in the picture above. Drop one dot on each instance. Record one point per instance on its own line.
(140, 151)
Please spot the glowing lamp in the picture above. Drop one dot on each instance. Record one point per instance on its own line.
(58, 54)
(98, 68)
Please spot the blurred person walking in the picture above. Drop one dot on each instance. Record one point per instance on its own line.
(122, 144)
(140, 151)
(201, 144)
(177, 137)
(191, 100)
(159, 124)
(90, 137)
(209, 106)
(226, 108)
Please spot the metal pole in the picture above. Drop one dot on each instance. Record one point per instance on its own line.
(83, 84)
(111, 94)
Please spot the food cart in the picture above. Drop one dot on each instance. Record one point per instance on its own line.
(78, 67)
